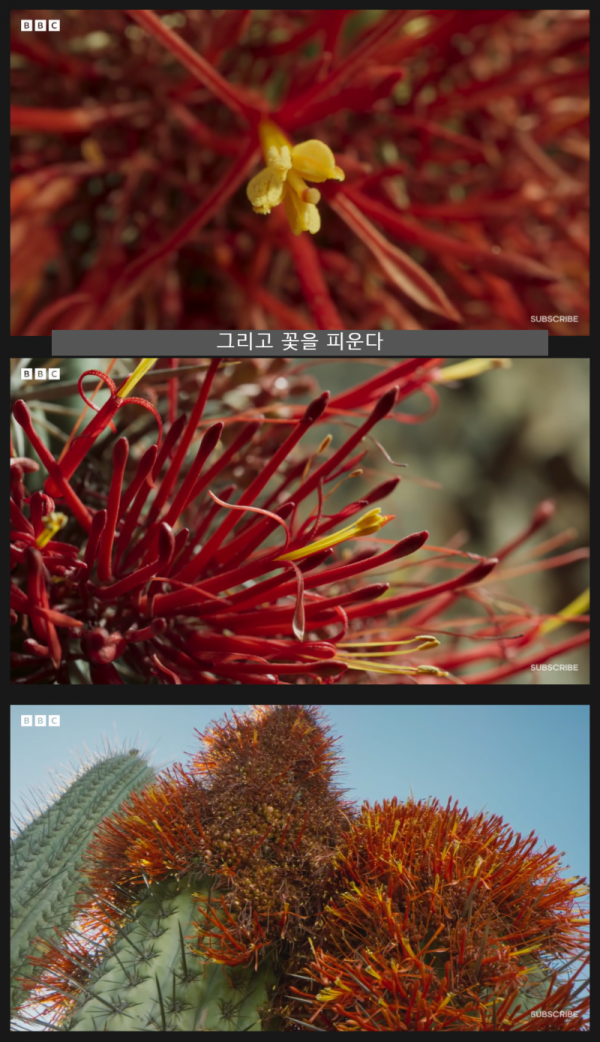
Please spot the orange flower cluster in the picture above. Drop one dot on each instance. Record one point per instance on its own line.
(443, 921)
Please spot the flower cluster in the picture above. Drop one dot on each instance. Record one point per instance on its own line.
(169, 572)
(463, 137)
(443, 921)
(397, 916)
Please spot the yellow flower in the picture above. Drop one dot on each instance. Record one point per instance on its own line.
(285, 175)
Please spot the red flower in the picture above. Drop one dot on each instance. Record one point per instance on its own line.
(463, 136)
(192, 588)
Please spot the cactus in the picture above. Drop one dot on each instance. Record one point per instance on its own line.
(244, 892)
(46, 855)
(149, 980)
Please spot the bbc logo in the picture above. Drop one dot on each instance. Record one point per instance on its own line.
(40, 721)
(40, 374)
(39, 25)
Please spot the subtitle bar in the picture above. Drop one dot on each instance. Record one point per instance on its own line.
(239, 343)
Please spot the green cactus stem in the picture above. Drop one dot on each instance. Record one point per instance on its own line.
(148, 978)
(46, 855)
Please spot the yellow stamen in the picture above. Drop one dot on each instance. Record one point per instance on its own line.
(302, 217)
(431, 642)
(473, 367)
(283, 177)
(52, 524)
(366, 525)
(308, 195)
(136, 375)
(388, 667)
(577, 607)
(360, 660)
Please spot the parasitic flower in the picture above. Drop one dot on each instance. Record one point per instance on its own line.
(284, 178)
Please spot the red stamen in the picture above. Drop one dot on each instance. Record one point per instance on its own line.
(96, 529)
(120, 455)
(143, 473)
(173, 471)
(166, 545)
(18, 519)
(312, 414)
(404, 600)
(23, 417)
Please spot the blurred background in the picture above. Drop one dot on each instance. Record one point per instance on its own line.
(498, 445)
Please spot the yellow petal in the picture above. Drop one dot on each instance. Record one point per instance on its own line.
(315, 161)
(303, 217)
(265, 190)
(279, 159)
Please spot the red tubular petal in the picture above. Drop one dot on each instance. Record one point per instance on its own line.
(17, 487)
(383, 406)
(18, 519)
(83, 443)
(40, 505)
(203, 526)
(38, 599)
(383, 490)
(119, 455)
(248, 541)
(97, 527)
(146, 547)
(184, 496)
(243, 440)
(404, 600)
(26, 464)
(144, 469)
(316, 408)
(166, 545)
(23, 417)
(149, 406)
(169, 672)
(154, 629)
(35, 582)
(101, 646)
(167, 445)
(542, 513)
(312, 413)
(406, 546)
(173, 471)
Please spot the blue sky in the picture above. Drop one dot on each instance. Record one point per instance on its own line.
(530, 764)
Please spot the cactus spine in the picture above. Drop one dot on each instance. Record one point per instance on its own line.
(47, 854)
(149, 979)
